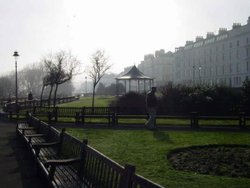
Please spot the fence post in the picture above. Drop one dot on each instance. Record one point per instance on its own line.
(126, 179)
(77, 118)
(113, 119)
(49, 117)
(56, 113)
(242, 120)
(194, 121)
(83, 156)
(34, 110)
(82, 115)
(116, 115)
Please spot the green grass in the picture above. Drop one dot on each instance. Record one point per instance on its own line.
(87, 102)
(147, 150)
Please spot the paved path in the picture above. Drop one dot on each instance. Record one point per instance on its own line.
(16, 166)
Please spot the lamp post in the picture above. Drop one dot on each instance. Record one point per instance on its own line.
(16, 55)
(193, 75)
(199, 74)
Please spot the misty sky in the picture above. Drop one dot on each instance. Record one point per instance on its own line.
(125, 29)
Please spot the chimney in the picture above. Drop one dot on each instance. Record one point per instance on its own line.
(159, 53)
(248, 21)
(222, 31)
(188, 42)
(236, 25)
(198, 38)
(210, 35)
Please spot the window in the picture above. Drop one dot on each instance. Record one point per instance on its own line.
(247, 66)
(230, 45)
(239, 80)
(238, 68)
(237, 54)
(230, 68)
(230, 81)
(238, 43)
(247, 40)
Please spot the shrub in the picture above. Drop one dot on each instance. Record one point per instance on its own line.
(131, 102)
(217, 100)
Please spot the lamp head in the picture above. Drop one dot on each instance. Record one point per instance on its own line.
(16, 55)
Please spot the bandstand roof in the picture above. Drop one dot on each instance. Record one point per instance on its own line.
(134, 74)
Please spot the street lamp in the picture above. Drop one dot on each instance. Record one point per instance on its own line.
(199, 74)
(16, 55)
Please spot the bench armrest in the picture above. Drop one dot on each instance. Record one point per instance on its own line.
(38, 146)
(54, 163)
(57, 162)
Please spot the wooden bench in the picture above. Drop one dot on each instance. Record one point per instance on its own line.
(60, 162)
(54, 113)
(67, 162)
(27, 127)
(95, 113)
(130, 113)
(32, 128)
(87, 168)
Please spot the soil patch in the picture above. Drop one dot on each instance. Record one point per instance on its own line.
(223, 160)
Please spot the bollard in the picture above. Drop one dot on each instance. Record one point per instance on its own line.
(194, 121)
(242, 120)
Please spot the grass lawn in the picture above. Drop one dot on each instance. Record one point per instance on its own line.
(147, 151)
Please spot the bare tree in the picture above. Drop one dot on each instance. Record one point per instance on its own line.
(60, 69)
(49, 79)
(6, 87)
(99, 66)
(30, 79)
(46, 82)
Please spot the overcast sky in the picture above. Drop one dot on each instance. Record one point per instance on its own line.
(125, 29)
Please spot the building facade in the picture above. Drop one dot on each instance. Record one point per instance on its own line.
(217, 59)
(222, 59)
(158, 66)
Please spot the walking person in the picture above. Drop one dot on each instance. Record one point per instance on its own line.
(151, 103)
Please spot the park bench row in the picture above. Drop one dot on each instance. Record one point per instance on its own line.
(67, 162)
(113, 115)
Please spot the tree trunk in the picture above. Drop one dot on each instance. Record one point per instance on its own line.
(41, 96)
(93, 98)
(55, 92)
(49, 99)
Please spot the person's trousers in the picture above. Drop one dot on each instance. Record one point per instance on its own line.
(151, 121)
